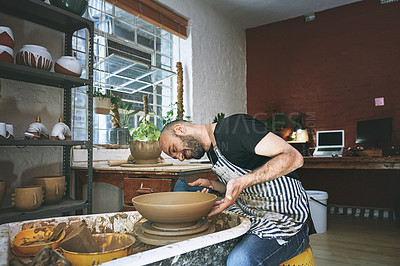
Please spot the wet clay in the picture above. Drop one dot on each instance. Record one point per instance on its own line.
(79, 238)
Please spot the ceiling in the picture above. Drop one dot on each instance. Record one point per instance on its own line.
(253, 13)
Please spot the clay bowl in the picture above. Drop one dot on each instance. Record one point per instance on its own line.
(53, 186)
(112, 246)
(37, 237)
(174, 209)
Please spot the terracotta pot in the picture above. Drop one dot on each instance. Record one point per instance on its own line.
(145, 152)
(34, 56)
(54, 188)
(77, 7)
(27, 198)
(101, 105)
(68, 65)
(6, 54)
(6, 37)
(174, 208)
(2, 191)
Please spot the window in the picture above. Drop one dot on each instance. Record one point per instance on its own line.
(131, 57)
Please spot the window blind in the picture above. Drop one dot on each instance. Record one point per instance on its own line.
(155, 14)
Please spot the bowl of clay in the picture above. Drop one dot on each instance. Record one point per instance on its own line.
(111, 246)
(29, 241)
(176, 209)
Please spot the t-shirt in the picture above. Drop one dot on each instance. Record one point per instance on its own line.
(236, 137)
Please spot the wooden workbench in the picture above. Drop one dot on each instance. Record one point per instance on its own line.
(135, 181)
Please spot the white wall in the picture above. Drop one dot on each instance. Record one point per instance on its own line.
(214, 62)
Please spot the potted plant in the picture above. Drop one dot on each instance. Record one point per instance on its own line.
(121, 113)
(101, 101)
(145, 147)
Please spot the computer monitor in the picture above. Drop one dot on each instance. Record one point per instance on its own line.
(374, 131)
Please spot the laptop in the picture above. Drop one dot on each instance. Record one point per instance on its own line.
(330, 143)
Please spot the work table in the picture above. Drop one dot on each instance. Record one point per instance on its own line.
(384, 163)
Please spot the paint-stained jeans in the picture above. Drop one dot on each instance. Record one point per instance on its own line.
(252, 250)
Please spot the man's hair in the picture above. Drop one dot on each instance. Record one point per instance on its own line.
(170, 125)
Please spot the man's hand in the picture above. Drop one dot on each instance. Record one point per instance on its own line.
(202, 182)
(233, 190)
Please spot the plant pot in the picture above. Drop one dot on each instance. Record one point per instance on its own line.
(118, 136)
(145, 152)
(101, 105)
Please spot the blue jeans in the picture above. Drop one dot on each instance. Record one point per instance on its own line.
(252, 250)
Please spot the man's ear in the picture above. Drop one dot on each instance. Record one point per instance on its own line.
(180, 129)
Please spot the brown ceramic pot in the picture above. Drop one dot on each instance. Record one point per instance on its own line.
(145, 152)
(174, 209)
(28, 198)
(53, 187)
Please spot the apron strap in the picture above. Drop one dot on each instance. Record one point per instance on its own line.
(211, 136)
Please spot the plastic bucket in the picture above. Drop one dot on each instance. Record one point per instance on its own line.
(318, 206)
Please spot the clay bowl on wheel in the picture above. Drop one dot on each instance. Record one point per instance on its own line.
(174, 209)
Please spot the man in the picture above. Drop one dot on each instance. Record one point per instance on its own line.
(253, 167)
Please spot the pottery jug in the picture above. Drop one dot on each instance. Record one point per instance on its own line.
(53, 187)
(34, 56)
(6, 54)
(61, 131)
(68, 65)
(6, 37)
(27, 198)
(2, 191)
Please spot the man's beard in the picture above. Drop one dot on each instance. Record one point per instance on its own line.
(192, 145)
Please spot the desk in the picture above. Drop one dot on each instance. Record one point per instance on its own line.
(135, 181)
(377, 163)
(354, 181)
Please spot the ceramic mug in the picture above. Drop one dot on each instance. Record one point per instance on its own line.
(3, 131)
(54, 188)
(27, 198)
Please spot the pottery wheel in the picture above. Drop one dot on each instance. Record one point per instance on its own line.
(160, 240)
(145, 164)
(157, 229)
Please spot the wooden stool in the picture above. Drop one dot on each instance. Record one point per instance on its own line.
(304, 259)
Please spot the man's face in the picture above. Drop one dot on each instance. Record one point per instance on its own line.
(182, 147)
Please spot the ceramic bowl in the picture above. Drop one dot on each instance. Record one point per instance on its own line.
(34, 56)
(6, 54)
(77, 7)
(28, 198)
(145, 152)
(53, 186)
(68, 65)
(37, 237)
(113, 246)
(178, 209)
(6, 37)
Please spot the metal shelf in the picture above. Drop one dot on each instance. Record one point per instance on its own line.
(44, 14)
(66, 205)
(43, 143)
(58, 19)
(38, 76)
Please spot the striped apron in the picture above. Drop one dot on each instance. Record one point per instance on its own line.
(276, 209)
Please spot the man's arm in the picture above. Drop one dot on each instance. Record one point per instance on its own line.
(285, 159)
